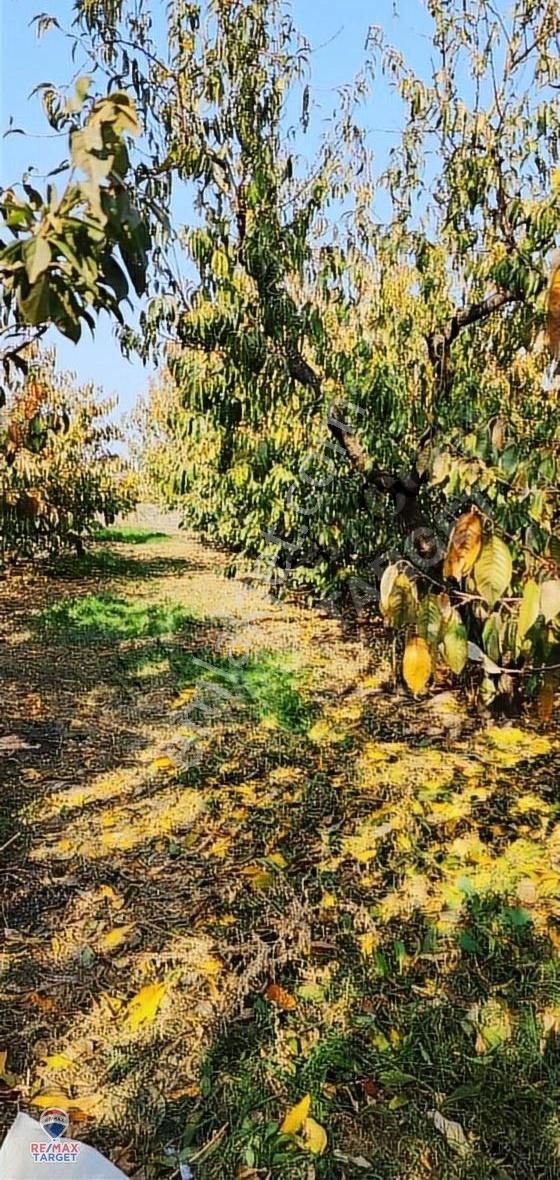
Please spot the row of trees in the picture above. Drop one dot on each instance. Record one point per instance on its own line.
(356, 358)
(59, 469)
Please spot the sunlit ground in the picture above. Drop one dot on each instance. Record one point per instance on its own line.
(246, 874)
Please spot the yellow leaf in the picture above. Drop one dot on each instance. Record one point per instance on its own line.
(295, 1118)
(9, 1079)
(258, 878)
(183, 698)
(116, 936)
(59, 1061)
(269, 723)
(108, 892)
(328, 901)
(220, 847)
(464, 545)
(163, 763)
(417, 665)
(277, 860)
(553, 310)
(210, 966)
(550, 599)
(85, 1104)
(143, 1007)
(314, 1137)
(368, 943)
(320, 732)
(493, 570)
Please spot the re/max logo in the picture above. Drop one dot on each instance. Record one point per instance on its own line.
(63, 1152)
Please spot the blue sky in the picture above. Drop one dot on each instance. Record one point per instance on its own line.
(336, 30)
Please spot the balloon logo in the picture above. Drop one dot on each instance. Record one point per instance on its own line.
(54, 1122)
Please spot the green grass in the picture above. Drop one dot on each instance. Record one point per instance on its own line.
(127, 535)
(267, 685)
(106, 616)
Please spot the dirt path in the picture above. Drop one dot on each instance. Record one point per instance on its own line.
(229, 855)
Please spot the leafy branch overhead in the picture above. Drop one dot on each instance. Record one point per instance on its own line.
(360, 358)
(65, 256)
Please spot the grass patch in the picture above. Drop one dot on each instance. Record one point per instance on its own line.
(269, 686)
(105, 616)
(126, 535)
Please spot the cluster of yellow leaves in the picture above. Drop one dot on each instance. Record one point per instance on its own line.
(311, 1136)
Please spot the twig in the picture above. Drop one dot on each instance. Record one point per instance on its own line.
(15, 836)
(211, 1143)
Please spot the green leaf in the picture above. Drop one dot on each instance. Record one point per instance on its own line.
(115, 277)
(529, 609)
(36, 256)
(429, 620)
(455, 647)
(493, 570)
(35, 307)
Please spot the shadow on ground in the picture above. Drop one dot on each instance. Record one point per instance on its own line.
(238, 873)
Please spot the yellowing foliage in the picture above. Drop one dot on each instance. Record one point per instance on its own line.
(553, 310)
(143, 1007)
(464, 545)
(417, 665)
(293, 1121)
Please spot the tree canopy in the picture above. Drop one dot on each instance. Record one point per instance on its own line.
(355, 356)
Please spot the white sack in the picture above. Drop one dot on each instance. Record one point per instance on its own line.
(20, 1145)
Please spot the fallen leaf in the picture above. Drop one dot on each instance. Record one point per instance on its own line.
(163, 763)
(210, 966)
(12, 743)
(280, 997)
(44, 1003)
(78, 1106)
(143, 1007)
(59, 1061)
(452, 1131)
(296, 1116)
(9, 1079)
(191, 1091)
(314, 1137)
(108, 892)
(371, 1088)
(367, 942)
(116, 936)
